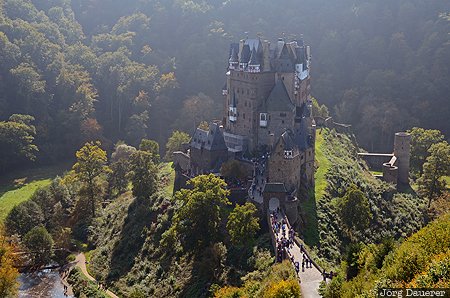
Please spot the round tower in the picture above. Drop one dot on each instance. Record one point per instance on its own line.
(402, 150)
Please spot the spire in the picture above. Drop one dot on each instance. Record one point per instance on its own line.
(233, 57)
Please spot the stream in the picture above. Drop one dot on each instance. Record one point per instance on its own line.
(46, 283)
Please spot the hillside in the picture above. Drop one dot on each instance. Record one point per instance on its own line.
(421, 261)
(394, 215)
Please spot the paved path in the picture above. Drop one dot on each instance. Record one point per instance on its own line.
(81, 263)
(310, 278)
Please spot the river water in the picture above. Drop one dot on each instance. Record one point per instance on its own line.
(43, 284)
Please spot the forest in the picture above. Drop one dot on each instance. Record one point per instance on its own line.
(114, 70)
(109, 89)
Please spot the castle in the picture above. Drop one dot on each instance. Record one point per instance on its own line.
(395, 166)
(267, 112)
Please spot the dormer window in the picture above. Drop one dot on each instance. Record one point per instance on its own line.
(288, 154)
(263, 119)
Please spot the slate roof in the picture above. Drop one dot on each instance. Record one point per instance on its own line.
(279, 99)
(275, 187)
(253, 43)
(254, 58)
(287, 138)
(233, 55)
(211, 140)
(245, 54)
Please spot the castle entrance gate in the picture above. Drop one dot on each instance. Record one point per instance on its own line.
(274, 203)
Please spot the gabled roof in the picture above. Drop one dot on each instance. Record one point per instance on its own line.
(279, 99)
(253, 43)
(275, 187)
(212, 139)
(287, 140)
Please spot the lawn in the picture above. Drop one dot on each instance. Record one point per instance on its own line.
(167, 177)
(323, 163)
(20, 186)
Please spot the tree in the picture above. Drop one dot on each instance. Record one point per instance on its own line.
(354, 209)
(421, 141)
(16, 140)
(200, 210)
(8, 273)
(39, 243)
(233, 169)
(144, 174)
(90, 166)
(23, 217)
(243, 223)
(175, 143)
(284, 289)
(431, 183)
(151, 147)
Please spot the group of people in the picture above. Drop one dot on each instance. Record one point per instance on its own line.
(64, 272)
(257, 187)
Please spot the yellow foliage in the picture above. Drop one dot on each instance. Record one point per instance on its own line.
(229, 292)
(283, 289)
(8, 274)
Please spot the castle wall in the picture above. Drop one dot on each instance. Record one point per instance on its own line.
(277, 124)
(284, 170)
(375, 161)
(202, 160)
(250, 89)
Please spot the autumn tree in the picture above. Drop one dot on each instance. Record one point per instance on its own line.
(200, 211)
(144, 174)
(354, 209)
(39, 243)
(243, 223)
(175, 143)
(8, 273)
(431, 183)
(118, 177)
(89, 169)
(421, 141)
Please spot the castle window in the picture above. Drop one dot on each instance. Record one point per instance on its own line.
(282, 121)
(243, 115)
(282, 114)
(263, 119)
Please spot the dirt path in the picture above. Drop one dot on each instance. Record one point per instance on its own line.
(80, 261)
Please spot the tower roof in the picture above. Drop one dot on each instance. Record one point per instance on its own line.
(233, 56)
(279, 99)
(245, 54)
(254, 58)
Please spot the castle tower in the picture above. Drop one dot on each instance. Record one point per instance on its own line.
(402, 150)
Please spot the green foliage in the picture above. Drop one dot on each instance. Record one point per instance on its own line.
(90, 166)
(175, 143)
(16, 140)
(23, 218)
(437, 166)
(421, 141)
(144, 175)
(200, 210)
(83, 287)
(152, 147)
(319, 110)
(243, 224)
(354, 209)
(39, 243)
(233, 169)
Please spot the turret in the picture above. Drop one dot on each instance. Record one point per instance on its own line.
(402, 148)
(233, 62)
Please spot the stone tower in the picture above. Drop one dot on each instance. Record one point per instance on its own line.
(402, 150)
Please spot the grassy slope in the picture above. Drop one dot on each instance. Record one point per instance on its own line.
(323, 164)
(19, 186)
(309, 206)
